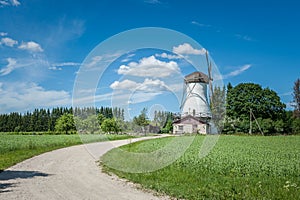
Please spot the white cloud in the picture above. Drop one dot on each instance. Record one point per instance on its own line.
(199, 24)
(139, 92)
(12, 65)
(9, 3)
(8, 42)
(168, 56)
(34, 66)
(3, 34)
(149, 85)
(128, 58)
(4, 3)
(63, 64)
(124, 85)
(31, 46)
(97, 61)
(54, 68)
(24, 96)
(237, 72)
(58, 66)
(149, 67)
(187, 49)
(15, 2)
(141, 97)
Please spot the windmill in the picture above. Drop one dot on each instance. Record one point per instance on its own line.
(196, 115)
(194, 100)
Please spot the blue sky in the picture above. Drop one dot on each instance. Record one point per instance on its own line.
(43, 44)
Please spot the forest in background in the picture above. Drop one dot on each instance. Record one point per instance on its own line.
(245, 108)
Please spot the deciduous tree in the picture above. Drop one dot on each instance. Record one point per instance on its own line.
(264, 103)
(65, 123)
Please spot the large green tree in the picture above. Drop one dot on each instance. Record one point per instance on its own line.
(142, 120)
(65, 123)
(110, 125)
(264, 103)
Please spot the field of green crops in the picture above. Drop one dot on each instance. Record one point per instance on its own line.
(16, 148)
(238, 167)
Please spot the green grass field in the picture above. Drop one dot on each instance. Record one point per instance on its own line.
(16, 148)
(238, 167)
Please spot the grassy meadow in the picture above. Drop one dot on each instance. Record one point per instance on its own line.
(238, 167)
(16, 148)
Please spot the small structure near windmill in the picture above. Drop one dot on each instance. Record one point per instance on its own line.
(195, 111)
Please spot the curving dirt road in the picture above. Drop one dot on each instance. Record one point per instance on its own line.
(69, 173)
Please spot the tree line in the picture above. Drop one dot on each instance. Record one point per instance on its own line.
(245, 108)
(45, 120)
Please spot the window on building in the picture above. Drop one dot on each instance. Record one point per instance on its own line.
(180, 128)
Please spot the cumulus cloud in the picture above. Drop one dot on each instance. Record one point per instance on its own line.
(31, 46)
(168, 56)
(12, 65)
(124, 85)
(8, 41)
(149, 67)
(149, 85)
(187, 49)
(24, 96)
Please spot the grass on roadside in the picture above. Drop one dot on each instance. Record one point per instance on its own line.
(16, 148)
(238, 167)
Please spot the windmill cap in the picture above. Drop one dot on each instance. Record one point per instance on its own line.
(196, 77)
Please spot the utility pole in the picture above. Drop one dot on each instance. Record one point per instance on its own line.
(250, 117)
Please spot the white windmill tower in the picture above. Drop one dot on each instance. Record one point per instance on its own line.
(195, 107)
(195, 101)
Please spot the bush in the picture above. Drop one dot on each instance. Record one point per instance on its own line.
(296, 126)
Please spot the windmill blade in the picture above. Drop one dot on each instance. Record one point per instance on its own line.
(207, 60)
(210, 79)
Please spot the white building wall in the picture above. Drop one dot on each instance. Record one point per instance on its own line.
(188, 128)
(196, 103)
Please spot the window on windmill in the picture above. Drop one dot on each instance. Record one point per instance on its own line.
(194, 112)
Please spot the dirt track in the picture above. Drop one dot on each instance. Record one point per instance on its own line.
(69, 173)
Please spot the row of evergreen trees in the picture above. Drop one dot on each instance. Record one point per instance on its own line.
(42, 120)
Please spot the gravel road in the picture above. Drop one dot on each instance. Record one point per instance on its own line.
(68, 173)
